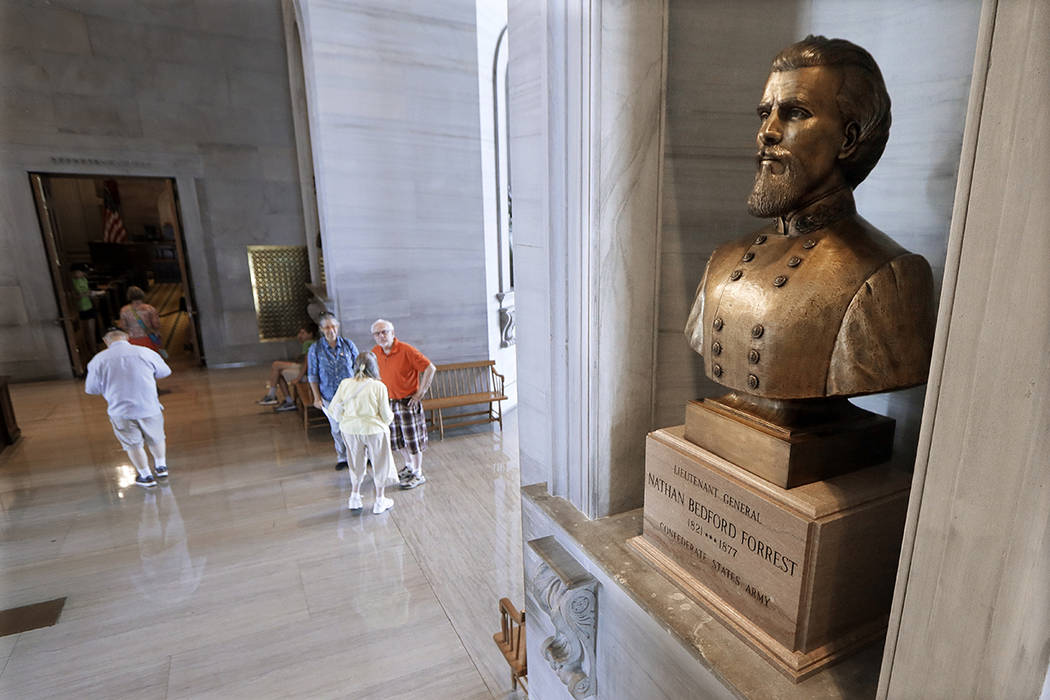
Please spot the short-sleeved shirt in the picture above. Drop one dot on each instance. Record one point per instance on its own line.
(400, 369)
(329, 366)
(125, 375)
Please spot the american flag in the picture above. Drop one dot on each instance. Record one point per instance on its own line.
(113, 230)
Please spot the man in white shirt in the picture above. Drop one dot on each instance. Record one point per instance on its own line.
(126, 376)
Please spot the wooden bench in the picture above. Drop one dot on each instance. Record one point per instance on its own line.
(465, 384)
(312, 417)
(511, 642)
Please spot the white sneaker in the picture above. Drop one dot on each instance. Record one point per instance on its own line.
(382, 505)
(355, 502)
(413, 481)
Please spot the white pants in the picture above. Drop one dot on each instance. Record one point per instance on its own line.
(361, 448)
(337, 438)
(132, 431)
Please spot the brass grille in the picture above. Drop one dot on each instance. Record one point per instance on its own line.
(279, 275)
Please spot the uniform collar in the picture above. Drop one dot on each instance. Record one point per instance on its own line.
(817, 214)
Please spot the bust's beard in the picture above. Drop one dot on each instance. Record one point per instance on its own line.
(776, 195)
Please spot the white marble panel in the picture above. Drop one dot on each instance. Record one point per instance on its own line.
(394, 101)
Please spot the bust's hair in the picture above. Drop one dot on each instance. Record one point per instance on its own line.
(136, 294)
(366, 366)
(862, 97)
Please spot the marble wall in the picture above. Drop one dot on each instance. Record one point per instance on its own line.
(539, 359)
(972, 619)
(718, 63)
(393, 102)
(491, 32)
(586, 94)
(190, 89)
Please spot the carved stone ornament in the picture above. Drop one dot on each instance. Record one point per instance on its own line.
(568, 595)
(508, 328)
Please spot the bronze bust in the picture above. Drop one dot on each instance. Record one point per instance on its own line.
(817, 303)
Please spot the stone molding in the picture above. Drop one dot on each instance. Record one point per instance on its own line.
(568, 595)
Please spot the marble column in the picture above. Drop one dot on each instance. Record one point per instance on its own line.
(589, 213)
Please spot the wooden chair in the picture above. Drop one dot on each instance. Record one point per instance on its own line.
(465, 384)
(511, 642)
(312, 418)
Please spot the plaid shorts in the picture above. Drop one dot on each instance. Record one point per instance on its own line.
(409, 429)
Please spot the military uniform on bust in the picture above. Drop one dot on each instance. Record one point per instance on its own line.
(760, 314)
(818, 305)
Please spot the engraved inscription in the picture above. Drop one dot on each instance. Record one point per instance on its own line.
(733, 541)
(666, 489)
(744, 508)
(767, 552)
(693, 479)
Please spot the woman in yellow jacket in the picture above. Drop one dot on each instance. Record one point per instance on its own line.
(361, 405)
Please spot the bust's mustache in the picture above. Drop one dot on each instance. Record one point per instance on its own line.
(771, 154)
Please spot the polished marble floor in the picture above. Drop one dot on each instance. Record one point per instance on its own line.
(246, 576)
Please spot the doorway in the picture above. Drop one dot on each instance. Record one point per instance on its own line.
(105, 235)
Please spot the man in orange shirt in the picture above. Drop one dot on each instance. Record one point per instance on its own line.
(407, 374)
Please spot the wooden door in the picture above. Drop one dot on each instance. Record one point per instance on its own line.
(167, 206)
(58, 264)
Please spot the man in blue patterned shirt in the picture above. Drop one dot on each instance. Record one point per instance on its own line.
(330, 361)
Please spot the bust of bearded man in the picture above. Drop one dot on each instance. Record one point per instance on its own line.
(818, 302)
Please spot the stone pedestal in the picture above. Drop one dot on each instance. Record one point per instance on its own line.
(804, 576)
(790, 456)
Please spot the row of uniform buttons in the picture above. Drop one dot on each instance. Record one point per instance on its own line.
(753, 355)
(779, 280)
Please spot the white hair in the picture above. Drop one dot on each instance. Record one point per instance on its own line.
(114, 335)
(380, 321)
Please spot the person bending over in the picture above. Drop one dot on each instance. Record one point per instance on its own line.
(126, 376)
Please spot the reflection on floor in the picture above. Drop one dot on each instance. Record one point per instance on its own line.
(246, 576)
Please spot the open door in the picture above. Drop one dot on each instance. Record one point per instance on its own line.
(124, 231)
(167, 206)
(60, 274)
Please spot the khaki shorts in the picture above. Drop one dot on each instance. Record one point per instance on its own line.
(291, 373)
(132, 431)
